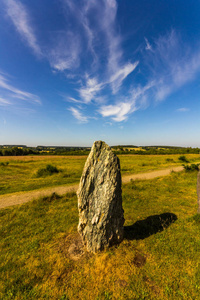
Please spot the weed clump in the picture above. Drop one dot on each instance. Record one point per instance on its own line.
(4, 164)
(170, 160)
(49, 170)
(183, 158)
(192, 167)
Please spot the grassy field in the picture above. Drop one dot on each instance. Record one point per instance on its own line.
(20, 173)
(158, 259)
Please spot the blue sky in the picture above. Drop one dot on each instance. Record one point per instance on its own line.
(126, 72)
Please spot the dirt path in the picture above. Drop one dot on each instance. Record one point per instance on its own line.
(22, 197)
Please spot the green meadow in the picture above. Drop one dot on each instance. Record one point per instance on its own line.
(22, 173)
(158, 258)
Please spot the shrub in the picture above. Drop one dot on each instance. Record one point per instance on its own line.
(49, 170)
(183, 158)
(192, 167)
(4, 164)
(169, 160)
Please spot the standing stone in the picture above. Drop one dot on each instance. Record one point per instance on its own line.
(101, 216)
(198, 190)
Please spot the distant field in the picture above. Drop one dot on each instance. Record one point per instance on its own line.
(133, 164)
(158, 259)
(19, 173)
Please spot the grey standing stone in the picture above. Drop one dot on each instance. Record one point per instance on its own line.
(101, 216)
(198, 190)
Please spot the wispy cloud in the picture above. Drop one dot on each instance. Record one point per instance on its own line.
(65, 51)
(21, 20)
(15, 92)
(117, 78)
(135, 100)
(4, 102)
(78, 115)
(172, 64)
(148, 45)
(113, 38)
(93, 87)
(90, 90)
(80, 14)
(183, 109)
(89, 51)
(70, 99)
(62, 53)
(103, 26)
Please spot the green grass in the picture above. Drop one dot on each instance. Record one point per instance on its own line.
(20, 173)
(158, 259)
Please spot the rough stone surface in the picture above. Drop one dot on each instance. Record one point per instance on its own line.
(198, 191)
(101, 216)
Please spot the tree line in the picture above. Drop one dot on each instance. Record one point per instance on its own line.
(147, 150)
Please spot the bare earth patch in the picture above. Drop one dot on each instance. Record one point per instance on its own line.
(23, 197)
(72, 246)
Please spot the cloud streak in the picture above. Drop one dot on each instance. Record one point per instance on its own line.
(4, 102)
(14, 92)
(19, 16)
(78, 115)
(172, 64)
(90, 90)
(183, 109)
(65, 52)
(148, 46)
(117, 78)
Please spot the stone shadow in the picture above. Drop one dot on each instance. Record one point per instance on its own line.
(151, 225)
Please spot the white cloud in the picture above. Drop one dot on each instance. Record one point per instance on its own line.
(136, 100)
(118, 112)
(88, 92)
(21, 20)
(78, 115)
(17, 93)
(93, 87)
